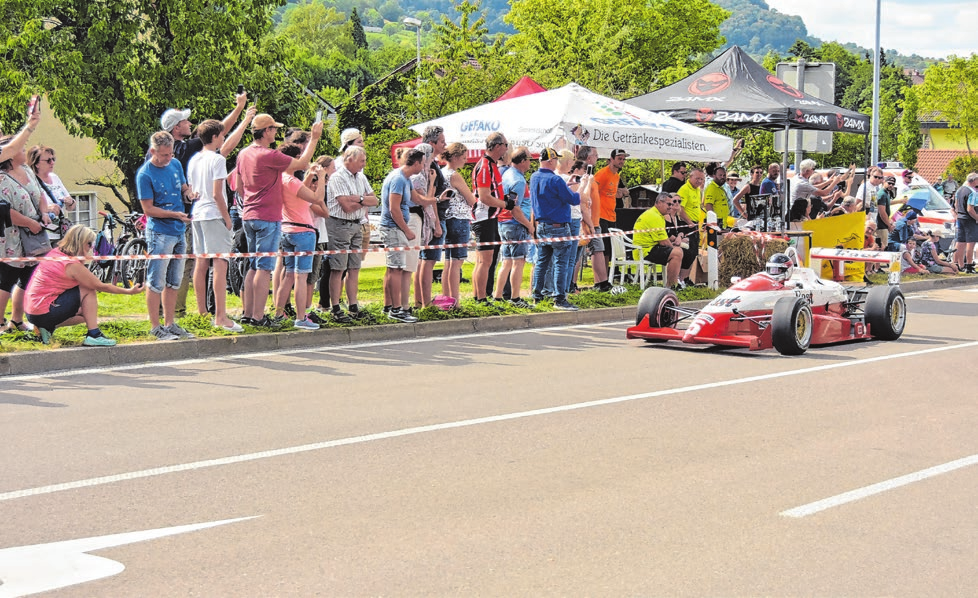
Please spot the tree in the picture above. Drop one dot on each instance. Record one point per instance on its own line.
(111, 68)
(910, 137)
(463, 70)
(951, 90)
(613, 47)
(359, 36)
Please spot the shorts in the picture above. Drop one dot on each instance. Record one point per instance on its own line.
(936, 268)
(10, 276)
(959, 233)
(304, 241)
(596, 245)
(63, 308)
(344, 234)
(659, 254)
(883, 235)
(394, 237)
(412, 257)
(434, 255)
(263, 236)
(513, 231)
(160, 273)
(365, 235)
(970, 230)
(485, 232)
(211, 236)
(458, 232)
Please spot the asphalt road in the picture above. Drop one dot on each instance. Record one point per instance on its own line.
(562, 462)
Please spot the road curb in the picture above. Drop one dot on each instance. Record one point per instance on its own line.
(75, 358)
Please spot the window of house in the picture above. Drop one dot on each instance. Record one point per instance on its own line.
(85, 210)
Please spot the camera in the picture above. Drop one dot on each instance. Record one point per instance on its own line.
(590, 169)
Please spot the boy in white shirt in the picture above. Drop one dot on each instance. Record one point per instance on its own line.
(206, 174)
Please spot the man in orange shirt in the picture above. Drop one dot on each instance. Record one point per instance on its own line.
(606, 181)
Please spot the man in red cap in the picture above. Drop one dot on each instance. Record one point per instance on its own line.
(906, 179)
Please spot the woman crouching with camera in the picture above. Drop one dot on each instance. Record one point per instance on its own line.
(63, 292)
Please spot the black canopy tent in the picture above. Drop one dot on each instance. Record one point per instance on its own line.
(733, 90)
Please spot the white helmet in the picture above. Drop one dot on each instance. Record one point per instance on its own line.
(779, 267)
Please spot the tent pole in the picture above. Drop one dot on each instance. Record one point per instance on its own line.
(784, 182)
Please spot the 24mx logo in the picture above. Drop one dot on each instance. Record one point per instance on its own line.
(721, 116)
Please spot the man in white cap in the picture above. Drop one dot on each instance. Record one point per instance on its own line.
(259, 179)
(177, 124)
(348, 137)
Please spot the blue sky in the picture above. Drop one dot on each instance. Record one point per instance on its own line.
(930, 28)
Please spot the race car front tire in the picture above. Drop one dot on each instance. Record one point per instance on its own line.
(791, 326)
(658, 304)
(886, 312)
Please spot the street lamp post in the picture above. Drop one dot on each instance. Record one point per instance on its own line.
(416, 23)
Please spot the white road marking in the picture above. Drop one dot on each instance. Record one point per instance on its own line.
(332, 349)
(861, 493)
(39, 568)
(293, 450)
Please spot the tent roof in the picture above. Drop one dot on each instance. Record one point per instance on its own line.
(573, 115)
(524, 87)
(734, 90)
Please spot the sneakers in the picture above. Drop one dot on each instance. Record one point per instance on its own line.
(176, 330)
(564, 305)
(340, 317)
(290, 311)
(45, 335)
(234, 327)
(270, 321)
(249, 321)
(162, 334)
(403, 316)
(305, 324)
(519, 303)
(96, 341)
(314, 317)
(363, 317)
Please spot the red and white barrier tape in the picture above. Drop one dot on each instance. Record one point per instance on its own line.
(471, 244)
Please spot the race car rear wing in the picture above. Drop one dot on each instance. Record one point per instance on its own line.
(891, 258)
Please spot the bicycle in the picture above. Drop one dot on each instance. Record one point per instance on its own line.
(130, 242)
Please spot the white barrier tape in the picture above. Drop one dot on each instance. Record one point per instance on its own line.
(472, 244)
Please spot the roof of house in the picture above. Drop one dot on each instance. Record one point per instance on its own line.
(915, 76)
(931, 164)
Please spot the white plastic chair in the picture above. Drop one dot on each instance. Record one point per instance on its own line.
(625, 255)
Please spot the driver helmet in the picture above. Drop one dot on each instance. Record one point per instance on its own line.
(779, 267)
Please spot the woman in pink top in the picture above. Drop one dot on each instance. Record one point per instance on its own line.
(64, 292)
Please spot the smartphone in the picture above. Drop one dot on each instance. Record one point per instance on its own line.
(590, 169)
(240, 88)
(34, 104)
(575, 179)
(319, 116)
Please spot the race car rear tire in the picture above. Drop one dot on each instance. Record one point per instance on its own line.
(791, 326)
(657, 303)
(886, 312)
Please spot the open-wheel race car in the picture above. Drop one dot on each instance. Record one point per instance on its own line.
(786, 306)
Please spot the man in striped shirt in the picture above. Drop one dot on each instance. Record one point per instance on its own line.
(348, 195)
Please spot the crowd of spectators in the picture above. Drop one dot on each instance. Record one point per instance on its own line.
(284, 199)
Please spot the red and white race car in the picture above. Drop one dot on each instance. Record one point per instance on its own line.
(787, 307)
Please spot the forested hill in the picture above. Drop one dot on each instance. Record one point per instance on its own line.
(753, 25)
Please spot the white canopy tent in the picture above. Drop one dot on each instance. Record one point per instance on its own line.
(574, 115)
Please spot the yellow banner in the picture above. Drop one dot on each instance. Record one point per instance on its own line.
(839, 231)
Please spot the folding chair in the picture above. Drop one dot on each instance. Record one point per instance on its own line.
(625, 255)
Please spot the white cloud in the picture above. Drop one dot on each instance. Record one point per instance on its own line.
(934, 29)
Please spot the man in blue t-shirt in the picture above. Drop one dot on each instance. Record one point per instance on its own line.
(394, 217)
(769, 186)
(162, 189)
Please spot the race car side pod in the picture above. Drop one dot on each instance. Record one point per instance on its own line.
(817, 254)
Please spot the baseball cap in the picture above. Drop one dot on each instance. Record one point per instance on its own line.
(912, 215)
(549, 154)
(263, 121)
(618, 152)
(566, 154)
(734, 176)
(890, 179)
(173, 117)
(906, 172)
(349, 135)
